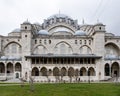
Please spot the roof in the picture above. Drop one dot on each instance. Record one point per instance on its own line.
(16, 30)
(43, 32)
(65, 55)
(10, 58)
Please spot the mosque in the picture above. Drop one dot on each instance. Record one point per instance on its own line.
(59, 49)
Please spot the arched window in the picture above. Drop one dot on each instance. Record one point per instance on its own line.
(18, 67)
(91, 71)
(83, 71)
(107, 70)
(2, 68)
(115, 69)
(63, 71)
(71, 72)
(44, 71)
(56, 72)
(35, 71)
(9, 68)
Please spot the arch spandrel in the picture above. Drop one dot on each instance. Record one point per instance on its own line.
(61, 28)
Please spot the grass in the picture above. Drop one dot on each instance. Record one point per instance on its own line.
(81, 89)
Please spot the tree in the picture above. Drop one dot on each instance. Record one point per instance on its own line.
(22, 81)
(31, 80)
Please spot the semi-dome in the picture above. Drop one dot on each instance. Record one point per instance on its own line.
(80, 32)
(43, 32)
(62, 29)
(58, 16)
(16, 30)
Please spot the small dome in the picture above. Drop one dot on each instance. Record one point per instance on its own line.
(11, 58)
(99, 23)
(16, 30)
(43, 32)
(59, 16)
(80, 32)
(4, 57)
(26, 22)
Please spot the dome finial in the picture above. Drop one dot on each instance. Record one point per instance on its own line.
(26, 22)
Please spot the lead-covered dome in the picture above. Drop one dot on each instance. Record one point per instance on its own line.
(80, 32)
(43, 32)
(16, 30)
(59, 16)
(26, 22)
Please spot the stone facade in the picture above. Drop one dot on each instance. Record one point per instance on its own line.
(60, 50)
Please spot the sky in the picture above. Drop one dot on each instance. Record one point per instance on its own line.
(15, 12)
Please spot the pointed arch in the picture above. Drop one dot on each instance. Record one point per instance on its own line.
(40, 49)
(12, 49)
(83, 71)
(11, 43)
(111, 50)
(18, 67)
(71, 72)
(56, 71)
(70, 28)
(85, 50)
(63, 48)
(9, 67)
(115, 68)
(91, 71)
(43, 71)
(107, 69)
(63, 71)
(76, 72)
(35, 71)
(2, 67)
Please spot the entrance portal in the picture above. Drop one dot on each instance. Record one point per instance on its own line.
(115, 69)
(17, 74)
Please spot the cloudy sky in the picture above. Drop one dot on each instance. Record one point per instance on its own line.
(14, 12)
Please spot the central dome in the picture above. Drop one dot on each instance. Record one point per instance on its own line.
(58, 16)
